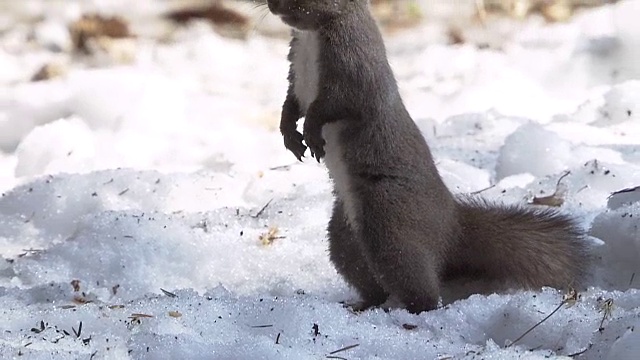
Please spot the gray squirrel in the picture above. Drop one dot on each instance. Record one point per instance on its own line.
(396, 230)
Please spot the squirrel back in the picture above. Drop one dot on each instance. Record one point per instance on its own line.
(396, 230)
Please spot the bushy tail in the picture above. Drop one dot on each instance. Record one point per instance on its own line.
(525, 247)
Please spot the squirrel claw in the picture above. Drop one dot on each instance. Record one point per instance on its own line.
(318, 153)
(316, 147)
(293, 143)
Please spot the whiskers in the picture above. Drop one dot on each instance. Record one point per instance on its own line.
(261, 10)
(259, 3)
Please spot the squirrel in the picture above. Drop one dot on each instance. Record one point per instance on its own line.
(395, 229)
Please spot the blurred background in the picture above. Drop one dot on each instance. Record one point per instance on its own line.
(98, 33)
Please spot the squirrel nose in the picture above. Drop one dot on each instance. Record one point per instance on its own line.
(274, 5)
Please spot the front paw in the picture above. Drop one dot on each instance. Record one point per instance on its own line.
(315, 142)
(293, 143)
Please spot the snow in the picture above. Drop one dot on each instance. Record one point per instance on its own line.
(150, 201)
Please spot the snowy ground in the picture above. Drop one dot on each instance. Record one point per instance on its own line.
(119, 181)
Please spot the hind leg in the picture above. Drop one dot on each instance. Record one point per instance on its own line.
(405, 269)
(347, 256)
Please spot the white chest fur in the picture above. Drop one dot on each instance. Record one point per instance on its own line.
(307, 76)
(305, 67)
(338, 170)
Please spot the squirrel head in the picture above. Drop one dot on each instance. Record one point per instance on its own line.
(311, 14)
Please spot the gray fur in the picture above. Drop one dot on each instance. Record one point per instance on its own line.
(395, 228)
